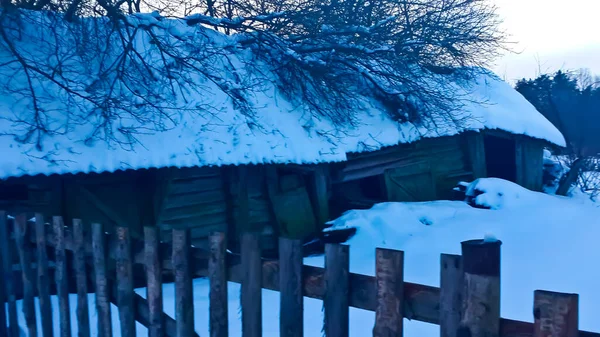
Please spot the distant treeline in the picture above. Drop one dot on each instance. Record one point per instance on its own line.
(571, 101)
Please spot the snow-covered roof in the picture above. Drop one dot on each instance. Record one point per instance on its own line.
(280, 132)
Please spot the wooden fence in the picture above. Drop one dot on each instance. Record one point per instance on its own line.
(467, 304)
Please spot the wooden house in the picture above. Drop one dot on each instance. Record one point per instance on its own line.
(282, 198)
(280, 170)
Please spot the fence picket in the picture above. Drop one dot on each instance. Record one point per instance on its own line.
(104, 327)
(154, 277)
(389, 275)
(336, 302)
(184, 304)
(555, 314)
(7, 258)
(451, 283)
(481, 287)
(125, 294)
(3, 299)
(82, 311)
(43, 277)
(217, 275)
(291, 322)
(24, 250)
(61, 277)
(251, 295)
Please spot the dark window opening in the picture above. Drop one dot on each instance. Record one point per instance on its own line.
(500, 158)
(373, 188)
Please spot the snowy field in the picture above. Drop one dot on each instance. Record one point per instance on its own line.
(549, 243)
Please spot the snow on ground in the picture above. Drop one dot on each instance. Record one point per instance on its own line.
(549, 243)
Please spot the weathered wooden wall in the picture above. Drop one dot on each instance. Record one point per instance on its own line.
(425, 170)
(530, 163)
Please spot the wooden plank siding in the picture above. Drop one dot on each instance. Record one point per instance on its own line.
(530, 163)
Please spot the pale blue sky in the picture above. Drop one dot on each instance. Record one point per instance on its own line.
(550, 35)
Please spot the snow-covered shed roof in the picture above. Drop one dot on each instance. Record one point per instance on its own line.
(281, 131)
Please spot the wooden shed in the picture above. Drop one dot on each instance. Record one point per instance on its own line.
(288, 178)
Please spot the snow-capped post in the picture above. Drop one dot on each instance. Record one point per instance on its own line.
(125, 294)
(217, 275)
(389, 275)
(291, 322)
(154, 280)
(184, 299)
(101, 281)
(24, 250)
(555, 314)
(481, 289)
(43, 276)
(451, 284)
(337, 286)
(251, 296)
(61, 277)
(82, 311)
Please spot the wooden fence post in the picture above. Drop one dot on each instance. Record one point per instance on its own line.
(82, 311)
(184, 297)
(291, 317)
(217, 275)
(251, 295)
(43, 278)
(337, 286)
(125, 294)
(451, 283)
(24, 249)
(389, 276)
(154, 277)
(481, 289)
(61, 277)
(555, 314)
(13, 325)
(101, 281)
(3, 292)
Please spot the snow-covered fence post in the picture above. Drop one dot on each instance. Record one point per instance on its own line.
(24, 250)
(251, 296)
(154, 280)
(337, 286)
(82, 312)
(125, 294)
(291, 322)
(217, 275)
(61, 277)
(43, 276)
(555, 314)
(451, 284)
(389, 275)
(184, 297)
(481, 289)
(104, 327)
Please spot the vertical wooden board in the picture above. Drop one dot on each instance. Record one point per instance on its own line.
(43, 277)
(154, 277)
(101, 281)
(476, 150)
(451, 282)
(389, 276)
(7, 259)
(555, 314)
(217, 275)
(291, 321)
(3, 300)
(184, 305)
(61, 277)
(24, 249)
(82, 310)
(481, 289)
(125, 294)
(337, 286)
(251, 295)
(319, 189)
